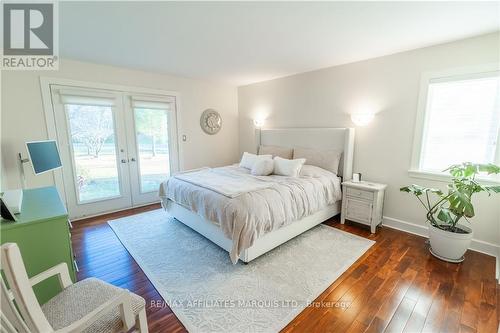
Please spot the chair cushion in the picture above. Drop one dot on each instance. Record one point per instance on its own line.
(81, 298)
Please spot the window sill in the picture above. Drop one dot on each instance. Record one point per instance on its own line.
(446, 178)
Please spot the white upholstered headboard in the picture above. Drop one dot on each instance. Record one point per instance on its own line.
(317, 138)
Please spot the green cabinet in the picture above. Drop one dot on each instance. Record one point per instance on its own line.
(43, 235)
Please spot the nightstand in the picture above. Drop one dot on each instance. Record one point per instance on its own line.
(363, 202)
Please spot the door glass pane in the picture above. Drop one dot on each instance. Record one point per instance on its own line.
(93, 140)
(151, 127)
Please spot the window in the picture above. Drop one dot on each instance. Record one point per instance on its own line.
(461, 121)
(151, 130)
(92, 136)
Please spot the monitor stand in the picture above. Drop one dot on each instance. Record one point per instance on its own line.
(20, 164)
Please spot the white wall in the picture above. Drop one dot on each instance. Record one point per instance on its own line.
(390, 85)
(22, 117)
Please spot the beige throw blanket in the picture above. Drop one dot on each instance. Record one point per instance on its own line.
(226, 181)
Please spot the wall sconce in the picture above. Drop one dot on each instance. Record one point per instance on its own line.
(362, 119)
(258, 123)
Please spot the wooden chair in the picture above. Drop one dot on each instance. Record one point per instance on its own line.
(90, 305)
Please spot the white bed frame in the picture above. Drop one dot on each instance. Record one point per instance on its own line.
(317, 138)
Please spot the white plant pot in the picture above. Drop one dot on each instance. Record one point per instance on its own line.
(449, 246)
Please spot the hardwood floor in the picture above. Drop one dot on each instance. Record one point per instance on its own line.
(397, 286)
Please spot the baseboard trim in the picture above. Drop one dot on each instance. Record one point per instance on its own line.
(420, 230)
(401, 225)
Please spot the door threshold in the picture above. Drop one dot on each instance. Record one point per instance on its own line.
(114, 211)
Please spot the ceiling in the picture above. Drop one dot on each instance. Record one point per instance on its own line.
(246, 42)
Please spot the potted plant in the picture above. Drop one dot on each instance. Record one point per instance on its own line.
(445, 209)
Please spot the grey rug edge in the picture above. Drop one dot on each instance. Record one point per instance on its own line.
(149, 274)
(285, 321)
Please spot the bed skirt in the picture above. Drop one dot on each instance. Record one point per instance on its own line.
(267, 242)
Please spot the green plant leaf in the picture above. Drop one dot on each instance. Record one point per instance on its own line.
(461, 170)
(489, 168)
(469, 170)
(460, 204)
(456, 203)
(493, 188)
(419, 190)
(445, 216)
(434, 190)
(415, 189)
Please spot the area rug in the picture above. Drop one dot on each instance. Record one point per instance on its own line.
(209, 294)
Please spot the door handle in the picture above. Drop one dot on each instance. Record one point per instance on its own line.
(124, 160)
(132, 159)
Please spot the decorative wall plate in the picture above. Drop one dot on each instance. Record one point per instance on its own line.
(210, 121)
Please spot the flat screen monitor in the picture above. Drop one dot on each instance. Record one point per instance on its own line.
(44, 155)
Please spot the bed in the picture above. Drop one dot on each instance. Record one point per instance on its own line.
(250, 215)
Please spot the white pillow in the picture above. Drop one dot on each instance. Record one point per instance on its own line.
(248, 160)
(314, 171)
(262, 167)
(325, 159)
(290, 168)
(283, 152)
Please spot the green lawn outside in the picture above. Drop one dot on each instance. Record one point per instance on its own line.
(97, 178)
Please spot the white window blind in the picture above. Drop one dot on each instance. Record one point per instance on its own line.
(150, 102)
(462, 121)
(86, 98)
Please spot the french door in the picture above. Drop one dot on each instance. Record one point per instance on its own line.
(116, 147)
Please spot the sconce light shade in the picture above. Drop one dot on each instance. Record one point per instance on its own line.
(258, 123)
(362, 119)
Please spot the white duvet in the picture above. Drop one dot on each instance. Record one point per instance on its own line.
(230, 182)
(262, 204)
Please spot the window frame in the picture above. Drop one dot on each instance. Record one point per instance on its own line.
(45, 86)
(422, 118)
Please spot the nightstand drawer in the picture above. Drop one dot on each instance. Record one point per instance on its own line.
(359, 210)
(354, 192)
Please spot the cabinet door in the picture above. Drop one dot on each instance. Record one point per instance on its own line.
(43, 245)
(359, 210)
